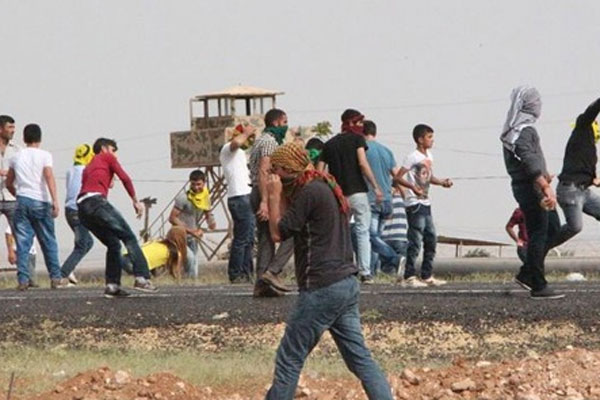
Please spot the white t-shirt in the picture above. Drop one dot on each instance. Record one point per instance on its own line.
(420, 171)
(29, 164)
(235, 168)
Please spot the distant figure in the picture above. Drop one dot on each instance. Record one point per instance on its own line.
(31, 180)
(317, 219)
(107, 223)
(269, 262)
(83, 240)
(394, 233)
(418, 169)
(190, 206)
(383, 164)
(235, 168)
(579, 174)
(8, 202)
(345, 155)
(525, 163)
(314, 147)
(518, 219)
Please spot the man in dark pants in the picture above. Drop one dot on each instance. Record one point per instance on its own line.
(317, 219)
(531, 188)
(269, 261)
(105, 221)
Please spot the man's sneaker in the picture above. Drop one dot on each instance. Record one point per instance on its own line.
(21, 287)
(366, 280)
(401, 266)
(113, 291)
(274, 281)
(413, 282)
(240, 280)
(72, 278)
(33, 284)
(431, 281)
(262, 289)
(59, 283)
(523, 282)
(144, 285)
(545, 294)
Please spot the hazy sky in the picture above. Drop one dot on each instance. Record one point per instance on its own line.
(126, 69)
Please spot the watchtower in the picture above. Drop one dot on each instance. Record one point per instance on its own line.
(213, 118)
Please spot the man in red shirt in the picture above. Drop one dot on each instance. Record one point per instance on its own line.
(518, 219)
(105, 221)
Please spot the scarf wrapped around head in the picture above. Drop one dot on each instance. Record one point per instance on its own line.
(294, 158)
(201, 200)
(83, 154)
(346, 127)
(525, 109)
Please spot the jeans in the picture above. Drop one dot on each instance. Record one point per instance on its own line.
(267, 258)
(83, 242)
(8, 209)
(333, 308)
(240, 255)
(575, 201)
(420, 230)
(191, 262)
(34, 217)
(109, 226)
(399, 247)
(359, 206)
(543, 231)
(380, 249)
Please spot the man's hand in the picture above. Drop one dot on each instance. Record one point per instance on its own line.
(12, 257)
(55, 210)
(263, 211)
(139, 209)
(520, 243)
(447, 183)
(3, 172)
(417, 190)
(197, 233)
(378, 196)
(596, 182)
(274, 185)
(548, 202)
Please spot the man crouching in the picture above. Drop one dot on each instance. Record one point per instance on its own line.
(317, 218)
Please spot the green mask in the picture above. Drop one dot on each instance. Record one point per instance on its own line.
(278, 132)
(313, 155)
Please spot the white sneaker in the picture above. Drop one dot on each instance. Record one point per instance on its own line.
(72, 279)
(431, 281)
(413, 282)
(401, 267)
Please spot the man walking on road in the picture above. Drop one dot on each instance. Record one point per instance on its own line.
(317, 219)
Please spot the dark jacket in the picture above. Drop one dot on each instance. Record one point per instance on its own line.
(579, 165)
(527, 163)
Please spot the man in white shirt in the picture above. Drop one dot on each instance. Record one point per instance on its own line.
(8, 149)
(31, 180)
(235, 167)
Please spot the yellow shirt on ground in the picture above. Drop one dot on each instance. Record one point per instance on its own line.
(155, 253)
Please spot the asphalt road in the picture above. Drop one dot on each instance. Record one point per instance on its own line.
(467, 304)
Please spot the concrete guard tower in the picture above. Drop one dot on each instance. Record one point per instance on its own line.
(213, 118)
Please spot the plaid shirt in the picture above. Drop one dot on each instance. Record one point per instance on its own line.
(264, 146)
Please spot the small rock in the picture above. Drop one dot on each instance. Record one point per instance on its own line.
(58, 389)
(483, 364)
(575, 277)
(180, 385)
(569, 347)
(410, 376)
(527, 396)
(303, 392)
(122, 377)
(223, 315)
(461, 386)
(59, 374)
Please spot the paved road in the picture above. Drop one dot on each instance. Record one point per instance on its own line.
(466, 304)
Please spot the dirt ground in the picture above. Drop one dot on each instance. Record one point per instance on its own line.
(571, 374)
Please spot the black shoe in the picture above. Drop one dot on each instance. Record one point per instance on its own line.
(262, 289)
(111, 292)
(34, 285)
(240, 280)
(546, 294)
(366, 280)
(523, 282)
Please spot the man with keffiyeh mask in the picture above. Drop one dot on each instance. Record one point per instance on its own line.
(317, 219)
(345, 155)
(531, 188)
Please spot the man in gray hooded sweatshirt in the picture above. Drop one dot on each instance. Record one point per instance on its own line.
(531, 188)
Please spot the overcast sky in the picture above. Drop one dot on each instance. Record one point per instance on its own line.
(126, 69)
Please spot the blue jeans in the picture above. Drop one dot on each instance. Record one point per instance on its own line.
(420, 230)
(109, 226)
(83, 242)
(359, 206)
(191, 263)
(333, 308)
(34, 217)
(575, 201)
(380, 249)
(240, 255)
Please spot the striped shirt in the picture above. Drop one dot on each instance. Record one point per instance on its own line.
(395, 228)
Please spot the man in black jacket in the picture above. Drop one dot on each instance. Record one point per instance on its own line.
(579, 173)
(531, 188)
